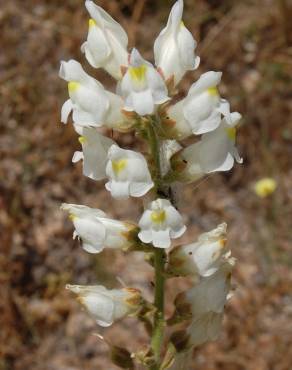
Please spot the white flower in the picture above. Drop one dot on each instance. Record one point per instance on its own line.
(211, 293)
(204, 304)
(95, 153)
(202, 108)
(218, 151)
(203, 257)
(142, 86)
(107, 306)
(96, 230)
(128, 173)
(87, 96)
(174, 48)
(159, 223)
(107, 42)
(91, 104)
(207, 301)
(215, 152)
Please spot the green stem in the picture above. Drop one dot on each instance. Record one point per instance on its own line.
(159, 255)
(157, 336)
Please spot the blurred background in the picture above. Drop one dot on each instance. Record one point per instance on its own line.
(42, 327)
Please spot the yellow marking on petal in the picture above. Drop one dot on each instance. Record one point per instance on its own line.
(119, 165)
(72, 217)
(222, 242)
(231, 133)
(137, 74)
(182, 24)
(91, 23)
(213, 91)
(73, 86)
(82, 139)
(265, 187)
(158, 216)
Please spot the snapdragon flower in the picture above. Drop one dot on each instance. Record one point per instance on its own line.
(91, 104)
(174, 48)
(94, 153)
(215, 152)
(160, 223)
(126, 170)
(105, 305)
(128, 173)
(204, 305)
(202, 108)
(97, 231)
(203, 257)
(142, 87)
(207, 301)
(107, 41)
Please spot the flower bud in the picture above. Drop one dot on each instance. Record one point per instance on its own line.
(107, 41)
(107, 306)
(174, 48)
(203, 257)
(97, 231)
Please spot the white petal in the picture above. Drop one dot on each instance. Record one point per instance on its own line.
(205, 328)
(145, 236)
(174, 47)
(85, 119)
(139, 189)
(101, 307)
(77, 156)
(224, 108)
(91, 232)
(91, 105)
(119, 190)
(95, 150)
(96, 48)
(206, 80)
(161, 238)
(107, 42)
(187, 45)
(104, 19)
(235, 117)
(143, 102)
(73, 71)
(208, 124)
(66, 110)
(215, 152)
